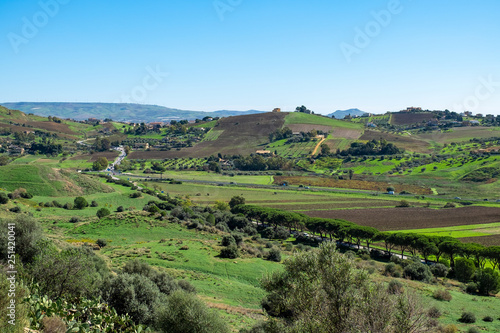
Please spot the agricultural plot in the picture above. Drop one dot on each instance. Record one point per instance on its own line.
(350, 184)
(460, 134)
(404, 118)
(293, 150)
(410, 143)
(212, 135)
(393, 219)
(304, 118)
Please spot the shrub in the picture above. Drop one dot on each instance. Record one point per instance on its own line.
(53, 324)
(94, 204)
(101, 242)
(228, 240)
(417, 271)
(184, 312)
(442, 295)
(439, 270)
(103, 212)
(468, 318)
(488, 319)
(471, 288)
(449, 329)
(395, 287)
(473, 330)
(134, 294)
(120, 209)
(450, 205)
(15, 209)
(74, 219)
(28, 235)
(135, 195)
(434, 312)
(3, 198)
(186, 286)
(488, 281)
(68, 206)
(80, 203)
(230, 252)
(403, 203)
(274, 255)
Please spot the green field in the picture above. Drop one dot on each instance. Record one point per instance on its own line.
(462, 231)
(304, 118)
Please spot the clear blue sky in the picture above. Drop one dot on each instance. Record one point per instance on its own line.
(254, 54)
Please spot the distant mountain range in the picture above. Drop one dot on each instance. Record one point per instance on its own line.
(340, 114)
(117, 111)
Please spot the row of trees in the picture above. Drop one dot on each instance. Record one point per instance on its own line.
(410, 243)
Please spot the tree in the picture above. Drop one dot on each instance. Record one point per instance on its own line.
(302, 109)
(322, 291)
(236, 200)
(488, 281)
(102, 213)
(80, 203)
(221, 205)
(185, 313)
(100, 164)
(464, 269)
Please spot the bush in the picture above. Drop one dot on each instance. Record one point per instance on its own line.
(439, 270)
(74, 219)
(80, 203)
(29, 235)
(135, 195)
(186, 286)
(15, 209)
(228, 240)
(94, 204)
(468, 318)
(473, 330)
(488, 319)
(83, 271)
(184, 312)
(442, 295)
(3, 198)
(488, 281)
(120, 209)
(395, 287)
(103, 212)
(449, 329)
(230, 252)
(434, 312)
(418, 271)
(68, 206)
(274, 255)
(53, 324)
(471, 288)
(134, 294)
(101, 242)
(450, 205)
(403, 203)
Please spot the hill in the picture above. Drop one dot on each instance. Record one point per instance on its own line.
(340, 114)
(42, 180)
(117, 111)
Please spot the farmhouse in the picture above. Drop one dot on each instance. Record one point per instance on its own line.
(263, 152)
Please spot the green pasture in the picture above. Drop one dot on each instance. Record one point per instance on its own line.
(232, 282)
(304, 118)
(208, 177)
(462, 231)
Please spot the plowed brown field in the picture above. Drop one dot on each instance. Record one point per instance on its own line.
(413, 218)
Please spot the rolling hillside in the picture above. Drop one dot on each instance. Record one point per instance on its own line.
(116, 111)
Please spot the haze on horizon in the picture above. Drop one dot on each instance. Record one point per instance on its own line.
(238, 55)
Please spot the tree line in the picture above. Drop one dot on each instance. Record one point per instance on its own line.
(344, 231)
